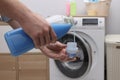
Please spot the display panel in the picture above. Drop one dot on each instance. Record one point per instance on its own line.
(90, 22)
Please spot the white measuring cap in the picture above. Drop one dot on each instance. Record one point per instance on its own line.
(72, 49)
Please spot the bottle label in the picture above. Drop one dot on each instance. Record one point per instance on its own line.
(73, 8)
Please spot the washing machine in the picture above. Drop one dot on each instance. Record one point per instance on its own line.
(89, 33)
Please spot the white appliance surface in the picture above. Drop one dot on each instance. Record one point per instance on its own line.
(91, 31)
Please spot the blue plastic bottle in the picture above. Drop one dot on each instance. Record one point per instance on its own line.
(19, 42)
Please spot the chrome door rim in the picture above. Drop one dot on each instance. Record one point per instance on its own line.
(88, 49)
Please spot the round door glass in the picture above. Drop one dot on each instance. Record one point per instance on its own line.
(77, 68)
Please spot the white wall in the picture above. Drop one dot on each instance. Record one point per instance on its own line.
(3, 44)
(113, 21)
(53, 7)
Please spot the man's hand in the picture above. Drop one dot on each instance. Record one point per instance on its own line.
(56, 51)
(39, 30)
(35, 26)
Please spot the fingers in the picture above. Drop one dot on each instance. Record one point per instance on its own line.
(47, 38)
(53, 36)
(38, 39)
(56, 46)
(48, 33)
(62, 55)
(49, 53)
(44, 40)
(41, 40)
(42, 32)
(69, 59)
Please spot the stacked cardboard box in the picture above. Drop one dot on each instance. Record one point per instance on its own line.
(100, 8)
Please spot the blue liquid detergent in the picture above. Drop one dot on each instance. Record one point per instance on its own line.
(19, 42)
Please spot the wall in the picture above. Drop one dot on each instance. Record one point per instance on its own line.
(113, 21)
(3, 45)
(53, 7)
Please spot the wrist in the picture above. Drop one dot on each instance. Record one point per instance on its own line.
(5, 19)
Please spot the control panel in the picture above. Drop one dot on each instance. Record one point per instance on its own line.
(90, 22)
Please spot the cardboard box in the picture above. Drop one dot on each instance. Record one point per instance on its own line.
(100, 8)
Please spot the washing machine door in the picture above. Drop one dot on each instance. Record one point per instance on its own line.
(82, 65)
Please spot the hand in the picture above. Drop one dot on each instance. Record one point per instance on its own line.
(35, 26)
(56, 51)
(41, 35)
(39, 30)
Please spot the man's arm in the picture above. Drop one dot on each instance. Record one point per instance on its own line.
(14, 9)
(13, 23)
(36, 27)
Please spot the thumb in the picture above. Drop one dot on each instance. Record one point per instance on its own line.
(61, 45)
